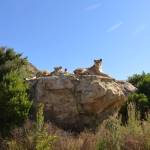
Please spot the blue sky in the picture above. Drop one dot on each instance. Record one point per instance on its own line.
(72, 33)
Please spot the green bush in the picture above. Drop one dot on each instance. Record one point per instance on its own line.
(34, 138)
(140, 99)
(141, 104)
(14, 100)
(136, 78)
(142, 82)
(42, 139)
(144, 86)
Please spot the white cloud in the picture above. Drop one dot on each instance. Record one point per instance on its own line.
(114, 27)
(93, 6)
(140, 28)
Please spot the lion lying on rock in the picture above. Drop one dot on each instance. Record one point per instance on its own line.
(96, 69)
(58, 71)
(42, 74)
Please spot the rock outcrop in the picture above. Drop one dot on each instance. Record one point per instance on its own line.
(76, 102)
(31, 69)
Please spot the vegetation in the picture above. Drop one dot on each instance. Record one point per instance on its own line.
(135, 135)
(140, 99)
(142, 82)
(14, 100)
(33, 136)
(110, 135)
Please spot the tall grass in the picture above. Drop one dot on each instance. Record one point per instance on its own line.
(33, 136)
(134, 136)
(110, 135)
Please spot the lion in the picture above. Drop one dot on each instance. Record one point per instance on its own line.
(42, 74)
(58, 71)
(94, 70)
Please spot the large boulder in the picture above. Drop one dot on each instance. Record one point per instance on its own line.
(77, 102)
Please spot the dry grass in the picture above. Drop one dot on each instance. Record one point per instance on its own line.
(110, 135)
(84, 141)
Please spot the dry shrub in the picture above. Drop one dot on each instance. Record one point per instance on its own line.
(83, 141)
(114, 136)
(110, 135)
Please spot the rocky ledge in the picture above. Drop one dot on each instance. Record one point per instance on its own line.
(76, 102)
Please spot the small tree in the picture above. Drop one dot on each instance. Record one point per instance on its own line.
(144, 86)
(35, 137)
(136, 78)
(14, 100)
(140, 99)
(142, 82)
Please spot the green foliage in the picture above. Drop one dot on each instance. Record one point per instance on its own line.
(141, 104)
(144, 86)
(36, 138)
(10, 61)
(142, 82)
(140, 99)
(39, 117)
(136, 78)
(42, 139)
(14, 100)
